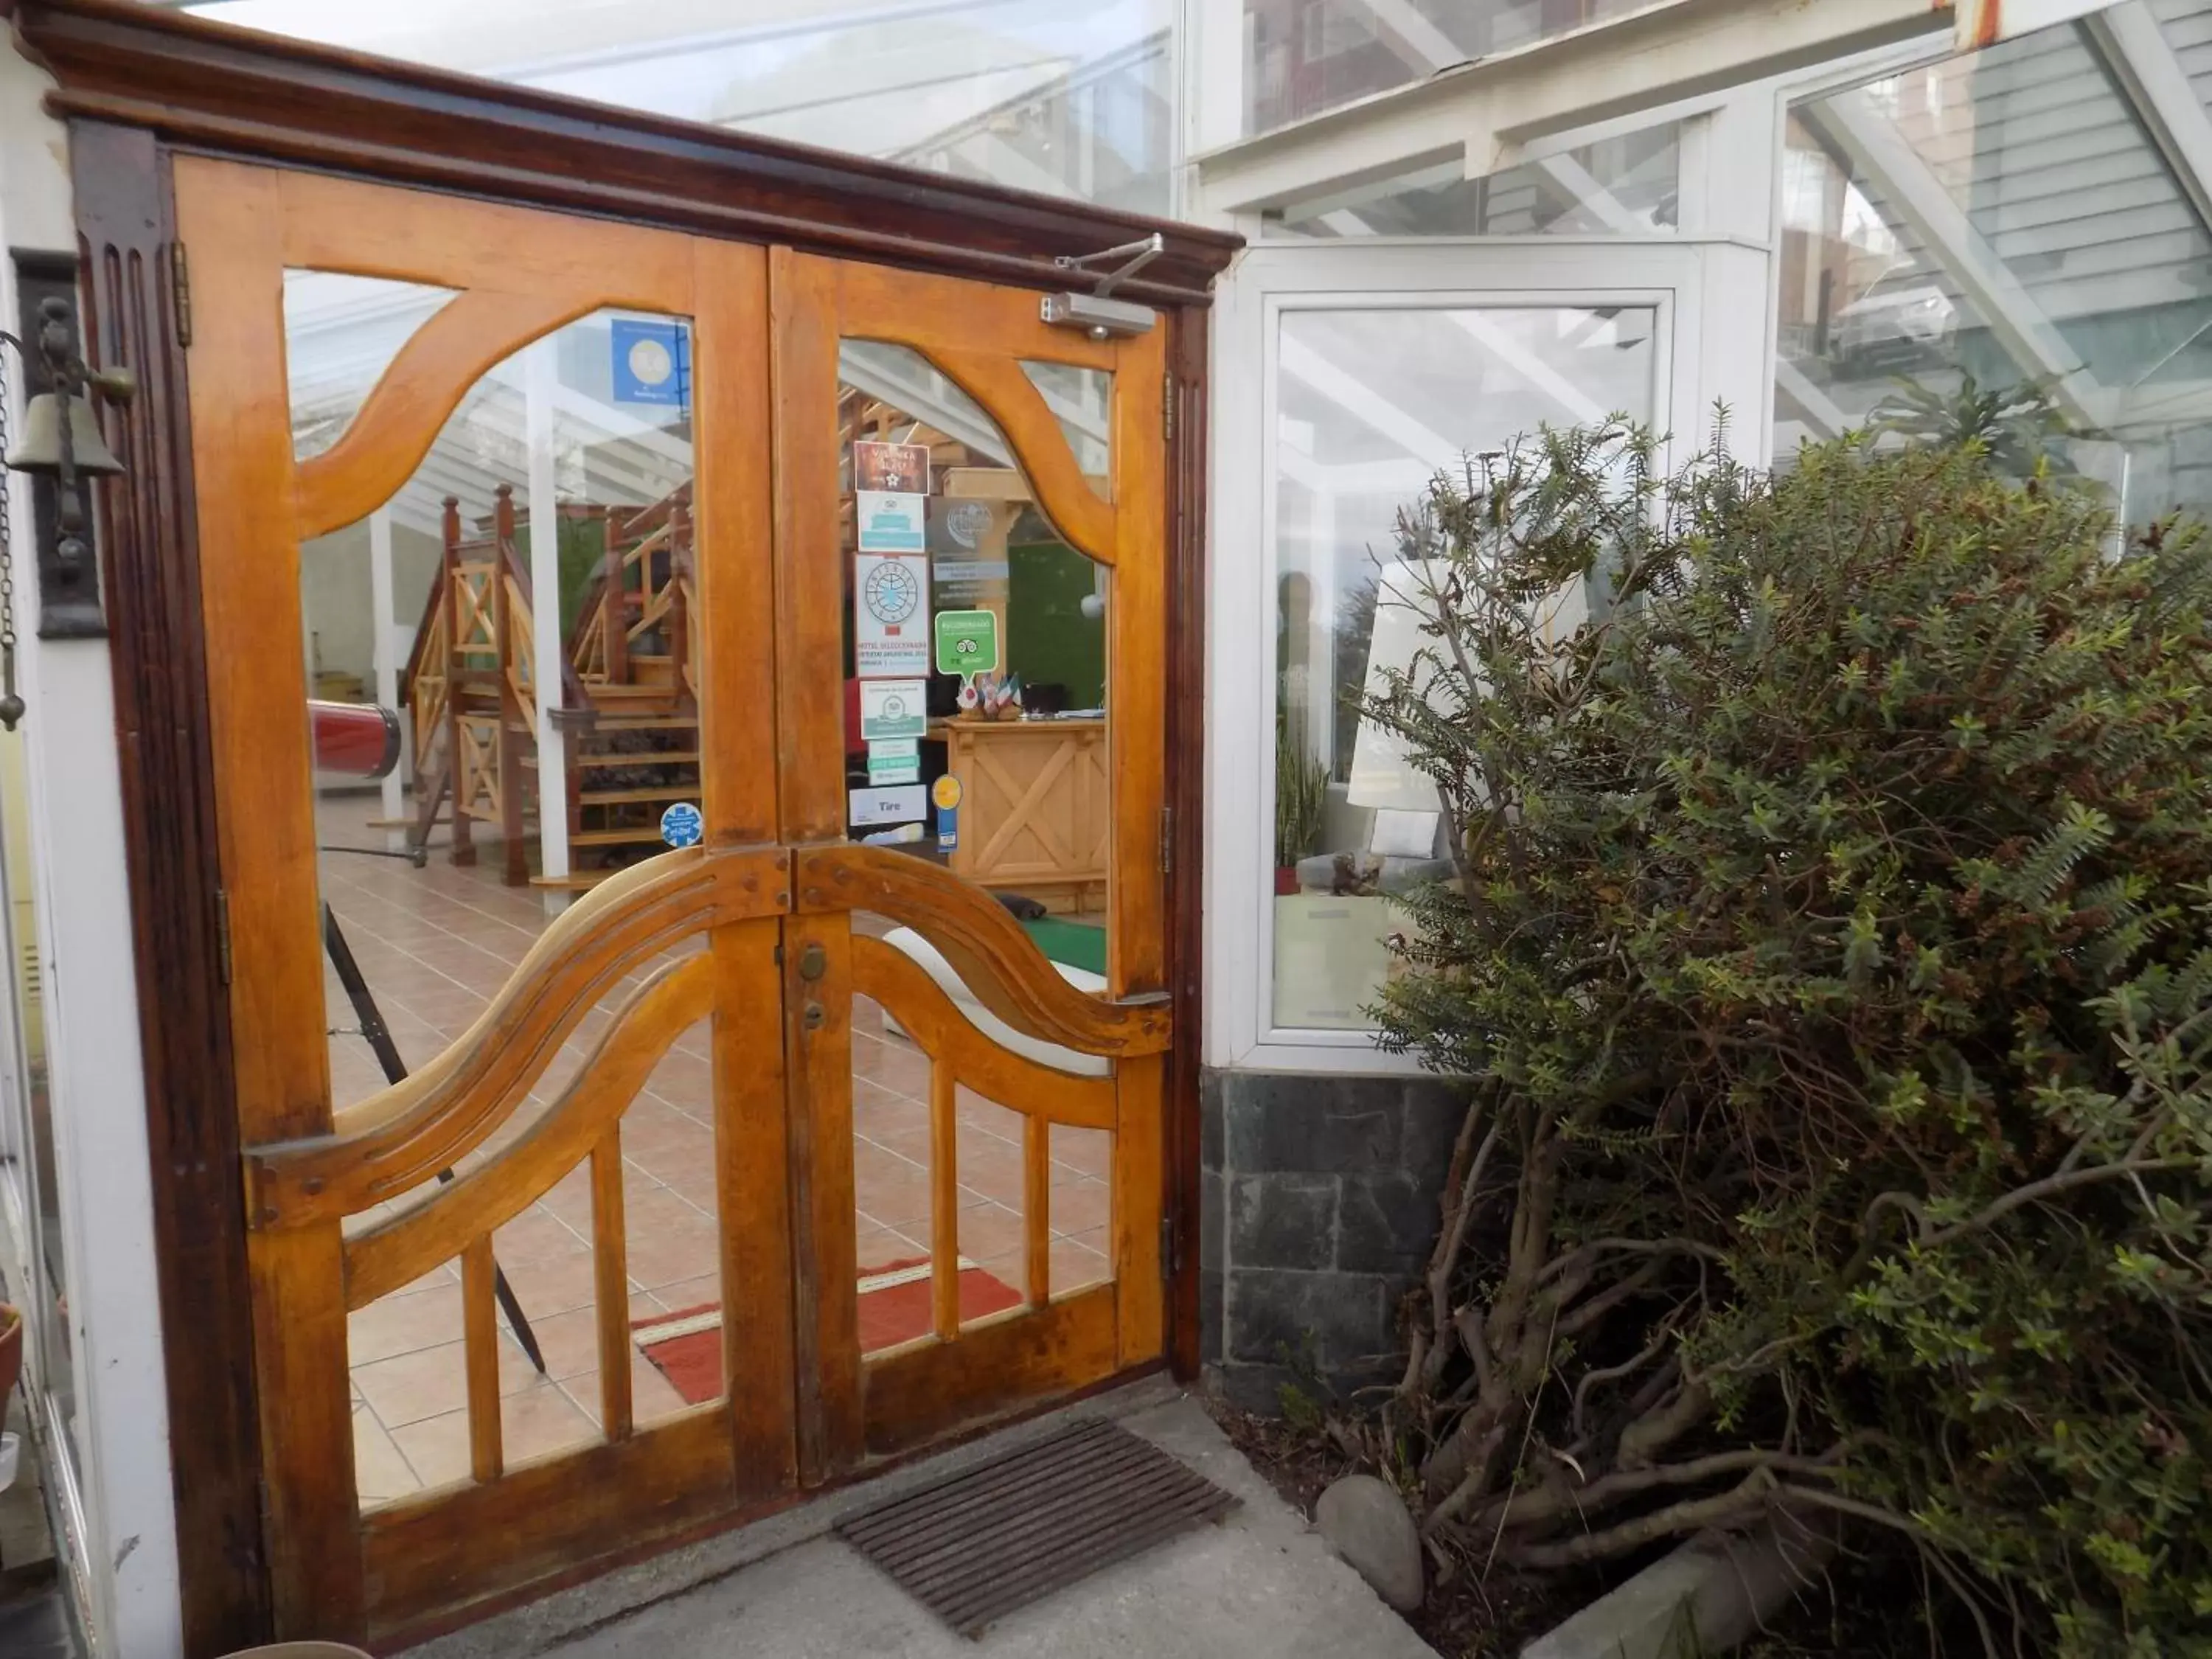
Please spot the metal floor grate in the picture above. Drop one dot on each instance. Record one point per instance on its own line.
(974, 1548)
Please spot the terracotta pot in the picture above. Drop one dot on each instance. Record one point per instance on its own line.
(11, 1352)
(1286, 882)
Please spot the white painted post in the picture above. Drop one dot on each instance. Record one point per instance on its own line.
(1210, 84)
(541, 375)
(385, 665)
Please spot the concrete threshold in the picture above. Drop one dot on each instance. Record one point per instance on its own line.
(1262, 1585)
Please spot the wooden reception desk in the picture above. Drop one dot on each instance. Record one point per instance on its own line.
(1037, 812)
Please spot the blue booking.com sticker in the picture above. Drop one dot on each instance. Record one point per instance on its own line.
(681, 825)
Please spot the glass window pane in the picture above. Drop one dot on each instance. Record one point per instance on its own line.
(944, 532)
(1302, 56)
(1371, 405)
(1069, 97)
(1082, 401)
(540, 658)
(29, 1135)
(341, 333)
(1992, 246)
(1624, 185)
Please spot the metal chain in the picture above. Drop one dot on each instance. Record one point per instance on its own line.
(11, 706)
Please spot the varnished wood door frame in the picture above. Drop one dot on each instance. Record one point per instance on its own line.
(140, 86)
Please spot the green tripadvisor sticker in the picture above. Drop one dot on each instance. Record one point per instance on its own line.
(967, 642)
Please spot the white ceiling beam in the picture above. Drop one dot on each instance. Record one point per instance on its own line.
(1399, 477)
(1432, 176)
(1565, 177)
(1422, 46)
(2150, 77)
(1670, 51)
(1492, 339)
(1002, 163)
(1821, 412)
(1300, 468)
(1581, 408)
(1366, 405)
(1879, 153)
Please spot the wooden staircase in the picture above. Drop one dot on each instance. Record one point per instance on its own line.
(629, 707)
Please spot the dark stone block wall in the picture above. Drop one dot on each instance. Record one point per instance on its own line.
(1320, 1210)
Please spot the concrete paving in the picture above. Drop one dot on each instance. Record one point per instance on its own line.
(1261, 1584)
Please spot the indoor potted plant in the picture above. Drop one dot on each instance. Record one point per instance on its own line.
(1301, 796)
(11, 1352)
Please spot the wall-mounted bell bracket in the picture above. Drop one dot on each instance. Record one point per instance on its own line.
(1097, 313)
(61, 446)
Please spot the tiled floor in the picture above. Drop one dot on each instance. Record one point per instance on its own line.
(434, 944)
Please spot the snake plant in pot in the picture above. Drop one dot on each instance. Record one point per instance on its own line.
(1301, 796)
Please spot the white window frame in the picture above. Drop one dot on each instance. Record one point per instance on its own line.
(1682, 281)
(1671, 57)
(1716, 274)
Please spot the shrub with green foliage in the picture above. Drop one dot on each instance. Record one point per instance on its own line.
(1831, 947)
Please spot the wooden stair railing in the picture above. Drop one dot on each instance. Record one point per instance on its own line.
(617, 615)
(471, 684)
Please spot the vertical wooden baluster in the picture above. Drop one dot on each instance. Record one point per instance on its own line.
(610, 1251)
(513, 722)
(480, 1331)
(943, 1203)
(679, 620)
(463, 776)
(1037, 1204)
(616, 617)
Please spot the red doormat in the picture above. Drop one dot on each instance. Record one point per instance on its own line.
(686, 1347)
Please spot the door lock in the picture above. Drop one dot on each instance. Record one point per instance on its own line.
(814, 1017)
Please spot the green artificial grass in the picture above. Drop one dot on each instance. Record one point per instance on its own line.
(1074, 943)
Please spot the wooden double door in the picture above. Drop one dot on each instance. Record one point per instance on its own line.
(786, 947)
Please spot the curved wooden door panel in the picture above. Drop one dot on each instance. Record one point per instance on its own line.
(399, 1250)
(999, 963)
(1060, 1337)
(981, 348)
(892, 978)
(398, 421)
(979, 336)
(516, 274)
(398, 1138)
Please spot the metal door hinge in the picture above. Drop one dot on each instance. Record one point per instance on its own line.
(1168, 406)
(1167, 841)
(223, 934)
(1170, 1248)
(180, 293)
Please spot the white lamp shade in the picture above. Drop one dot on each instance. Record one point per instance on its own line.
(1382, 777)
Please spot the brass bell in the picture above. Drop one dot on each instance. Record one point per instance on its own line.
(40, 450)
